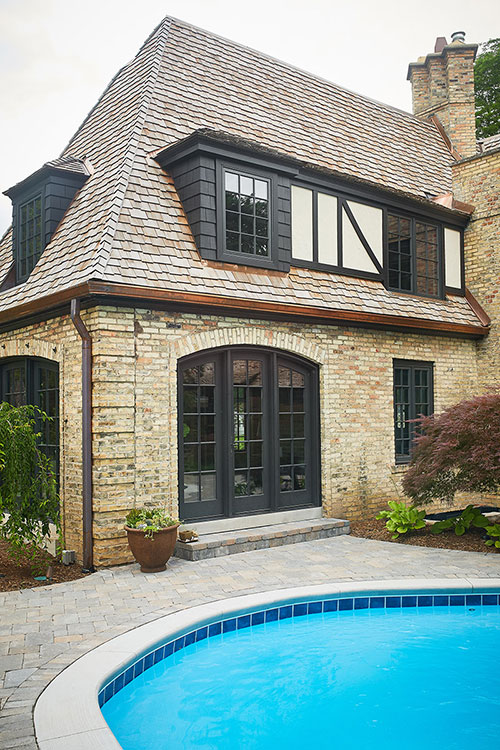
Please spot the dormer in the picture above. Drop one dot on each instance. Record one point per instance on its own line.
(38, 205)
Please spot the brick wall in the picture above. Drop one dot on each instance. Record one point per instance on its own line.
(477, 181)
(135, 406)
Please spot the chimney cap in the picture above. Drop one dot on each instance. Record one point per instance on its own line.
(441, 43)
(458, 36)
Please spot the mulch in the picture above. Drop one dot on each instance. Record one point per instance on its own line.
(20, 575)
(471, 541)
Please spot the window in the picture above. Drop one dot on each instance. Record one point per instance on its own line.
(413, 256)
(35, 381)
(413, 396)
(246, 215)
(30, 245)
(248, 433)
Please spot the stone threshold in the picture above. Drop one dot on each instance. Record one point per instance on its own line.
(246, 540)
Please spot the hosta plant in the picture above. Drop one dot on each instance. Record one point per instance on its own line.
(402, 518)
(470, 516)
(494, 535)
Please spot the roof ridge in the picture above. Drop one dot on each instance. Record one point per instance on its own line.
(303, 71)
(104, 247)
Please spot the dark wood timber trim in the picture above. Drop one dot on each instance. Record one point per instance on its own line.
(477, 309)
(228, 304)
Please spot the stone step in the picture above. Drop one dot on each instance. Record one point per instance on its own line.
(245, 540)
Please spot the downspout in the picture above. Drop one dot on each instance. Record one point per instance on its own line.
(88, 556)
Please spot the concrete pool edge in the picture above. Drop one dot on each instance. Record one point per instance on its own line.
(67, 714)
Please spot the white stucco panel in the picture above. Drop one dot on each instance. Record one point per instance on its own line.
(369, 221)
(302, 223)
(354, 255)
(327, 229)
(452, 258)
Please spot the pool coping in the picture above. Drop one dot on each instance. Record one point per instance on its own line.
(69, 717)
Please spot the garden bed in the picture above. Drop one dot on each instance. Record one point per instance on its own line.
(14, 575)
(471, 541)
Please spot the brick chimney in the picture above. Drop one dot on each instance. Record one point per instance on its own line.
(443, 87)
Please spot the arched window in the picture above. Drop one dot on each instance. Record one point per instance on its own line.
(28, 380)
(248, 433)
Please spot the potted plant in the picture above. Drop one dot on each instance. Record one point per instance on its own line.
(152, 535)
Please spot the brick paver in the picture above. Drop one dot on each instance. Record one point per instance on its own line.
(43, 630)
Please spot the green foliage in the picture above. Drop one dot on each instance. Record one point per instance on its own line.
(149, 519)
(29, 502)
(470, 516)
(487, 89)
(402, 518)
(494, 534)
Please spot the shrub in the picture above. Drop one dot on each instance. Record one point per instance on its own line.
(470, 516)
(402, 518)
(29, 502)
(458, 450)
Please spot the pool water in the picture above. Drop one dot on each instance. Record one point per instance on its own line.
(361, 680)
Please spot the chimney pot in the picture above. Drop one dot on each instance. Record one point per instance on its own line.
(458, 36)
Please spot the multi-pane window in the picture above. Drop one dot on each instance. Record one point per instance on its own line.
(413, 397)
(413, 256)
(291, 429)
(29, 244)
(198, 431)
(247, 427)
(246, 215)
(35, 381)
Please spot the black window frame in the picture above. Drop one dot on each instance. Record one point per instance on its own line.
(415, 219)
(31, 198)
(239, 258)
(32, 367)
(412, 366)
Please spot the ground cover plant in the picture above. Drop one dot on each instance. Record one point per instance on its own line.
(402, 518)
(469, 517)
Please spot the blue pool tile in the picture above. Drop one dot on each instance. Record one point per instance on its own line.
(158, 655)
(345, 604)
(299, 610)
(179, 643)
(331, 605)
(243, 622)
(119, 682)
(229, 625)
(314, 608)
(440, 600)
(408, 601)
(108, 692)
(201, 634)
(258, 618)
(425, 601)
(457, 600)
(473, 600)
(285, 612)
(377, 602)
(361, 602)
(138, 668)
(215, 629)
(148, 661)
(190, 638)
(169, 648)
(272, 615)
(100, 699)
(129, 675)
(392, 602)
(489, 599)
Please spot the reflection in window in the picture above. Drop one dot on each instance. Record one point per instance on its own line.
(291, 430)
(198, 397)
(247, 427)
(413, 256)
(247, 214)
(412, 398)
(30, 237)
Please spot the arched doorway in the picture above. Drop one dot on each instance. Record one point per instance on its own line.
(248, 433)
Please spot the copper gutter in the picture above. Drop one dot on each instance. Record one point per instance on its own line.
(88, 552)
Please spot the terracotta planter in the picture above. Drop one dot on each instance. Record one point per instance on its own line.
(152, 553)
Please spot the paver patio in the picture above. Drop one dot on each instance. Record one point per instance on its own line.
(43, 630)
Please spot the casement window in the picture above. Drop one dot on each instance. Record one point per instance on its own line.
(413, 256)
(248, 433)
(26, 380)
(30, 240)
(247, 215)
(413, 397)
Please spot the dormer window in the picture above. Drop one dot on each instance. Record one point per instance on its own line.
(246, 215)
(30, 237)
(413, 256)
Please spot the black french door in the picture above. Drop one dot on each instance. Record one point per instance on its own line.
(248, 433)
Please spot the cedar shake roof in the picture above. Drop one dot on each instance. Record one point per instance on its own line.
(126, 224)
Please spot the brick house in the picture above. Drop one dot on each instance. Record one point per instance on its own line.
(239, 282)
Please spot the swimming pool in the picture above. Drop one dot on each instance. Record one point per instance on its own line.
(361, 671)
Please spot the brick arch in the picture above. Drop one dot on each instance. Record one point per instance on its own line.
(31, 348)
(250, 336)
